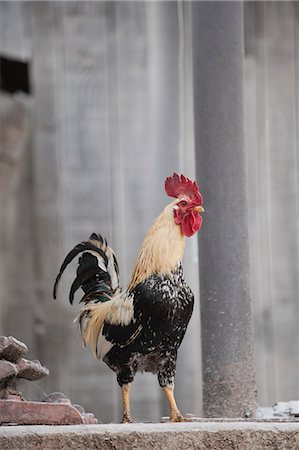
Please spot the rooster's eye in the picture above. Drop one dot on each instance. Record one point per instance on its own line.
(183, 203)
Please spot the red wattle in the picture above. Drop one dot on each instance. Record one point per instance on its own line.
(191, 223)
(177, 216)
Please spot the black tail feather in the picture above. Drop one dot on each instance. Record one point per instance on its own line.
(97, 272)
(99, 293)
(81, 279)
(82, 247)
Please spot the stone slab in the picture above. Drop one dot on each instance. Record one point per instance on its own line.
(38, 413)
(181, 436)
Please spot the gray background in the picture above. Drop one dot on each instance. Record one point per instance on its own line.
(110, 116)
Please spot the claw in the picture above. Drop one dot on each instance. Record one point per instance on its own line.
(176, 417)
(127, 419)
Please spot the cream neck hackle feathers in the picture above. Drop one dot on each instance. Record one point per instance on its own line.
(162, 249)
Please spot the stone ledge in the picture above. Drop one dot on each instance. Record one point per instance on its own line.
(199, 435)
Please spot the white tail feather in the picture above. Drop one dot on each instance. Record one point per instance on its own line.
(117, 311)
(111, 267)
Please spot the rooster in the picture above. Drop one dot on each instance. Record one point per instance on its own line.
(142, 327)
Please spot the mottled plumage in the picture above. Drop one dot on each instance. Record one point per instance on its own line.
(162, 309)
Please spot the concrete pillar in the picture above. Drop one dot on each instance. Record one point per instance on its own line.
(229, 384)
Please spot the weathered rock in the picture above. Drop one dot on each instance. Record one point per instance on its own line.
(12, 395)
(14, 409)
(284, 410)
(7, 370)
(80, 409)
(89, 419)
(12, 349)
(8, 373)
(31, 370)
(58, 397)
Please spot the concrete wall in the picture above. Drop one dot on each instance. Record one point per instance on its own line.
(271, 107)
(105, 124)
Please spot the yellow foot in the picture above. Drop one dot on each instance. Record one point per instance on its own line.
(177, 417)
(127, 419)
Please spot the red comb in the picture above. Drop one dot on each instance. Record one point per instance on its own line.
(179, 185)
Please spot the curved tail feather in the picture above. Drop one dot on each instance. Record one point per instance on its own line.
(97, 272)
(81, 279)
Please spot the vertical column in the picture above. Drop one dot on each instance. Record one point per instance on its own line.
(229, 384)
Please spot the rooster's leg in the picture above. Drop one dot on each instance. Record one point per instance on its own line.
(125, 390)
(175, 415)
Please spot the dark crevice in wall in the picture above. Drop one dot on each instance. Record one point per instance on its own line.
(14, 76)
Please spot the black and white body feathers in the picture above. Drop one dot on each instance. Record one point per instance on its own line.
(139, 329)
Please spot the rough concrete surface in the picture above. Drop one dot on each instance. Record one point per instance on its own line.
(201, 436)
(228, 358)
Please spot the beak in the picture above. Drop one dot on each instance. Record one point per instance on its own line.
(198, 209)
